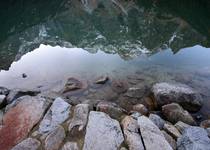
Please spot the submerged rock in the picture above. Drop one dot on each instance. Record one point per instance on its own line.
(136, 92)
(170, 140)
(166, 93)
(150, 132)
(111, 108)
(54, 140)
(2, 100)
(70, 146)
(141, 109)
(119, 86)
(205, 124)
(194, 138)
(102, 80)
(73, 84)
(132, 135)
(4, 91)
(102, 133)
(28, 144)
(174, 113)
(57, 114)
(20, 119)
(181, 126)
(157, 120)
(80, 117)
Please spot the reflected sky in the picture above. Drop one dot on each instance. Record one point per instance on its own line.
(49, 65)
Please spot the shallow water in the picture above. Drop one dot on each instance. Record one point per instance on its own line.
(129, 40)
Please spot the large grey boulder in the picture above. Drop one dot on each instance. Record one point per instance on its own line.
(57, 114)
(28, 144)
(194, 138)
(132, 135)
(54, 140)
(80, 117)
(102, 132)
(152, 137)
(166, 93)
(174, 113)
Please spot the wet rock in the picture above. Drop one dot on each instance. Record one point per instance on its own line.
(194, 138)
(157, 120)
(54, 140)
(72, 84)
(174, 113)
(170, 140)
(80, 117)
(119, 86)
(57, 114)
(1, 117)
(110, 108)
(181, 126)
(205, 124)
(28, 144)
(166, 93)
(2, 100)
(24, 75)
(208, 131)
(70, 146)
(102, 133)
(132, 136)
(20, 119)
(136, 92)
(171, 130)
(102, 80)
(150, 132)
(141, 109)
(14, 94)
(4, 91)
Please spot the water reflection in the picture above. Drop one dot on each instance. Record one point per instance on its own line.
(126, 28)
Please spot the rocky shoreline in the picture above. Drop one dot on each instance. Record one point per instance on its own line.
(130, 117)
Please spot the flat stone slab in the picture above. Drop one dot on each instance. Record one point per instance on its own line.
(57, 114)
(20, 119)
(102, 132)
(152, 136)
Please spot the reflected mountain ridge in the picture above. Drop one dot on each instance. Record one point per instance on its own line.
(128, 28)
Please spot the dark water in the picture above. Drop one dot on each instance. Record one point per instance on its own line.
(158, 40)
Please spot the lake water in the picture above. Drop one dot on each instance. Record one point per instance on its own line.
(154, 40)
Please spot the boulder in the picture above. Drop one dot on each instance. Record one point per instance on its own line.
(205, 124)
(80, 117)
(170, 140)
(73, 84)
(157, 120)
(102, 132)
(141, 109)
(174, 113)
(181, 126)
(131, 133)
(135, 114)
(119, 86)
(70, 146)
(208, 131)
(166, 93)
(171, 130)
(54, 140)
(110, 108)
(28, 144)
(57, 114)
(150, 132)
(194, 138)
(20, 119)
(136, 92)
